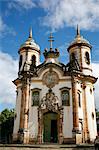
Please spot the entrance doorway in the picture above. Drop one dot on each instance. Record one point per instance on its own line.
(50, 132)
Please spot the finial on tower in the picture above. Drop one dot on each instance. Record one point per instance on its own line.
(30, 33)
(78, 30)
(51, 40)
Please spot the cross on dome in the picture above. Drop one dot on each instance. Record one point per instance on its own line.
(30, 33)
(51, 40)
(78, 30)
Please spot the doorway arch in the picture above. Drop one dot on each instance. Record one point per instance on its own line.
(50, 127)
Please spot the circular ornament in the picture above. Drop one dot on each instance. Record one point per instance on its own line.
(50, 79)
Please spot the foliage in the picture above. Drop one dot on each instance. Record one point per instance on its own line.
(97, 114)
(6, 124)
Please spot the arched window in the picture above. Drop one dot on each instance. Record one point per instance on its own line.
(34, 60)
(65, 98)
(20, 61)
(87, 58)
(73, 56)
(79, 99)
(35, 98)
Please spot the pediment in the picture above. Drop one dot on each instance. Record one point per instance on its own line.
(45, 68)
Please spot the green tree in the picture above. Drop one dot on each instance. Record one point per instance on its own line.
(6, 125)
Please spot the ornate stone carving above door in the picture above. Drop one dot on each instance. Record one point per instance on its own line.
(50, 101)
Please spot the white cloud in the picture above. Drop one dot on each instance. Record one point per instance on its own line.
(70, 13)
(8, 72)
(5, 29)
(61, 13)
(18, 4)
(96, 74)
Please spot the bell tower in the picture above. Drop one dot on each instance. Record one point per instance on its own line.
(29, 53)
(80, 49)
(29, 58)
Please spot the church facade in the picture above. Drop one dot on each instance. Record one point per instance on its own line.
(55, 101)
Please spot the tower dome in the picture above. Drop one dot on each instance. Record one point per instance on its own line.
(79, 40)
(30, 43)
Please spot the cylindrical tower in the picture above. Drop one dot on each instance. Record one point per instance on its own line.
(80, 49)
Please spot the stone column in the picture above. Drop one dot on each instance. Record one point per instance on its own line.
(26, 113)
(85, 120)
(39, 127)
(23, 130)
(75, 106)
(61, 127)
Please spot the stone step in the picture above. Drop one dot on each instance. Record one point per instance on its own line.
(46, 147)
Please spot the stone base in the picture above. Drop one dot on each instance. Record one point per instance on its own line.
(33, 141)
(46, 147)
(21, 137)
(68, 141)
(79, 138)
(15, 138)
(26, 137)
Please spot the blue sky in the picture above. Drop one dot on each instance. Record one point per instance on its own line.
(59, 17)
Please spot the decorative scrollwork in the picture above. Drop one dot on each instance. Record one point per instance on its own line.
(50, 101)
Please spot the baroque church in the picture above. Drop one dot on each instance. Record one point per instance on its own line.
(55, 101)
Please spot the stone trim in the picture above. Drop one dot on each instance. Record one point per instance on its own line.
(23, 125)
(75, 106)
(68, 140)
(86, 137)
(40, 125)
(87, 68)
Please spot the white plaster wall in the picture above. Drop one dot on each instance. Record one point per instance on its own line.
(33, 122)
(30, 54)
(80, 109)
(84, 64)
(67, 120)
(77, 51)
(17, 110)
(54, 89)
(53, 60)
(91, 108)
(59, 72)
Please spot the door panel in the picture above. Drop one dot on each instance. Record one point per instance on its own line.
(54, 131)
(50, 127)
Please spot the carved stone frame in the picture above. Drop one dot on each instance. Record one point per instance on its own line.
(41, 112)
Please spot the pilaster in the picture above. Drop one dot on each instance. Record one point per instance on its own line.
(75, 105)
(85, 120)
(23, 128)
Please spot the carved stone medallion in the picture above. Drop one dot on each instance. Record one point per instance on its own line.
(50, 79)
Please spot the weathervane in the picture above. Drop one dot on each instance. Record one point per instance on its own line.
(51, 40)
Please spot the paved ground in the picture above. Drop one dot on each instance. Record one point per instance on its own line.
(46, 147)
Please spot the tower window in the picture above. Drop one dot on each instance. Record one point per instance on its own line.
(34, 60)
(79, 99)
(20, 61)
(65, 98)
(35, 98)
(87, 58)
(72, 56)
